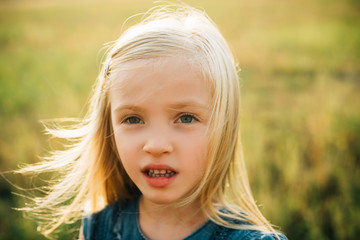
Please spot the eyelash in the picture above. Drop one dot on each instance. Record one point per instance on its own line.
(139, 121)
(187, 115)
(127, 120)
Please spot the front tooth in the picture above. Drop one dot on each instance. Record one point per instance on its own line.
(156, 171)
(162, 171)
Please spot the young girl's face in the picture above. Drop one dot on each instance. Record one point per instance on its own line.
(160, 112)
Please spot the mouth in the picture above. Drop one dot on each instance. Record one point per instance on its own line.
(154, 173)
(159, 175)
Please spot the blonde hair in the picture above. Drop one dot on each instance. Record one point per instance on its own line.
(90, 166)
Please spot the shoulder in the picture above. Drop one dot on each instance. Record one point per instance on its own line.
(254, 235)
(246, 233)
(98, 225)
(222, 233)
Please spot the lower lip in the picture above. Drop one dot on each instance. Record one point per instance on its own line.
(159, 182)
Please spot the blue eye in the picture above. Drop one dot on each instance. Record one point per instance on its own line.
(187, 118)
(132, 120)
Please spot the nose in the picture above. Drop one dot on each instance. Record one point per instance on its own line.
(158, 143)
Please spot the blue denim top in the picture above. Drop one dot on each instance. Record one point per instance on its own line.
(120, 221)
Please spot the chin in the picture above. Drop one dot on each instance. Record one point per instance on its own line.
(161, 199)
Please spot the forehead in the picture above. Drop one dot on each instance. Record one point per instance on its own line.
(174, 78)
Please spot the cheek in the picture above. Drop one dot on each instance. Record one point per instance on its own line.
(126, 146)
(197, 151)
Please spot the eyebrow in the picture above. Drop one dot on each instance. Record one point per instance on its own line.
(187, 104)
(127, 107)
(176, 106)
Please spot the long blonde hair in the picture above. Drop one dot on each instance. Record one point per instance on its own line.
(90, 167)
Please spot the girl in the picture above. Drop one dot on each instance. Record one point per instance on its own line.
(158, 155)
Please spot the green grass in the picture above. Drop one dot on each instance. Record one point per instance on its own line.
(300, 98)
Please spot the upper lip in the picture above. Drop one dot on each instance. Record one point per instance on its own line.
(158, 167)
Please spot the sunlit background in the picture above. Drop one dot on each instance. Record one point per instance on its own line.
(300, 81)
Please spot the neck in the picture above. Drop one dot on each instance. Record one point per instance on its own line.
(163, 221)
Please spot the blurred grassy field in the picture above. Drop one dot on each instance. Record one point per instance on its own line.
(300, 75)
